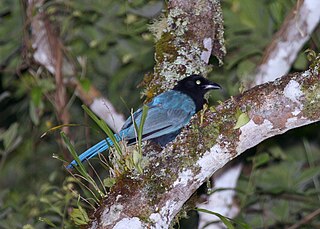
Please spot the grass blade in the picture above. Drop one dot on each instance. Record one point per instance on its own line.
(81, 169)
(142, 121)
(104, 127)
(226, 221)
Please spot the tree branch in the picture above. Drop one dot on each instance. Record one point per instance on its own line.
(277, 60)
(49, 53)
(101, 106)
(172, 175)
(288, 41)
(191, 32)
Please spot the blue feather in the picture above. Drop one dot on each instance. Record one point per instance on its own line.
(167, 114)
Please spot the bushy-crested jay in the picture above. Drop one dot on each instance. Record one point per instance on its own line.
(167, 114)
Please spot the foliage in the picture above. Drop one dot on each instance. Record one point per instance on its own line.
(111, 48)
(226, 221)
(111, 40)
(110, 45)
(283, 185)
(116, 163)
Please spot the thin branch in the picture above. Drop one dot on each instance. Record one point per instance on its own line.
(305, 219)
(288, 41)
(49, 53)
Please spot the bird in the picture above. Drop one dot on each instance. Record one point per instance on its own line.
(167, 114)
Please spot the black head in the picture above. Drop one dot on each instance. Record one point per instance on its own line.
(196, 87)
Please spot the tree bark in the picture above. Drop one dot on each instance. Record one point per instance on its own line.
(152, 199)
(277, 60)
(191, 32)
(287, 42)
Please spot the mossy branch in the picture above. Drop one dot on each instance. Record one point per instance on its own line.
(172, 176)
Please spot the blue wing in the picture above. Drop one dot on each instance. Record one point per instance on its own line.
(168, 113)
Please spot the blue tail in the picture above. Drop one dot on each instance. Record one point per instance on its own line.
(94, 150)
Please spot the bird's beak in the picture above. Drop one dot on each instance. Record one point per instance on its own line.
(212, 86)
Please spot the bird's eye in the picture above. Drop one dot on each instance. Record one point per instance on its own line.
(198, 82)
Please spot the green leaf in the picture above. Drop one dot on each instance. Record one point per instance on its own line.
(10, 135)
(47, 221)
(137, 158)
(301, 62)
(226, 221)
(142, 121)
(71, 149)
(261, 159)
(109, 182)
(36, 95)
(277, 152)
(281, 210)
(34, 114)
(79, 216)
(46, 85)
(245, 68)
(27, 226)
(242, 120)
(306, 175)
(85, 83)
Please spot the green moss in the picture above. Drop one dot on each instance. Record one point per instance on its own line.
(311, 86)
(311, 89)
(314, 58)
(223, 123)
(165, 50)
